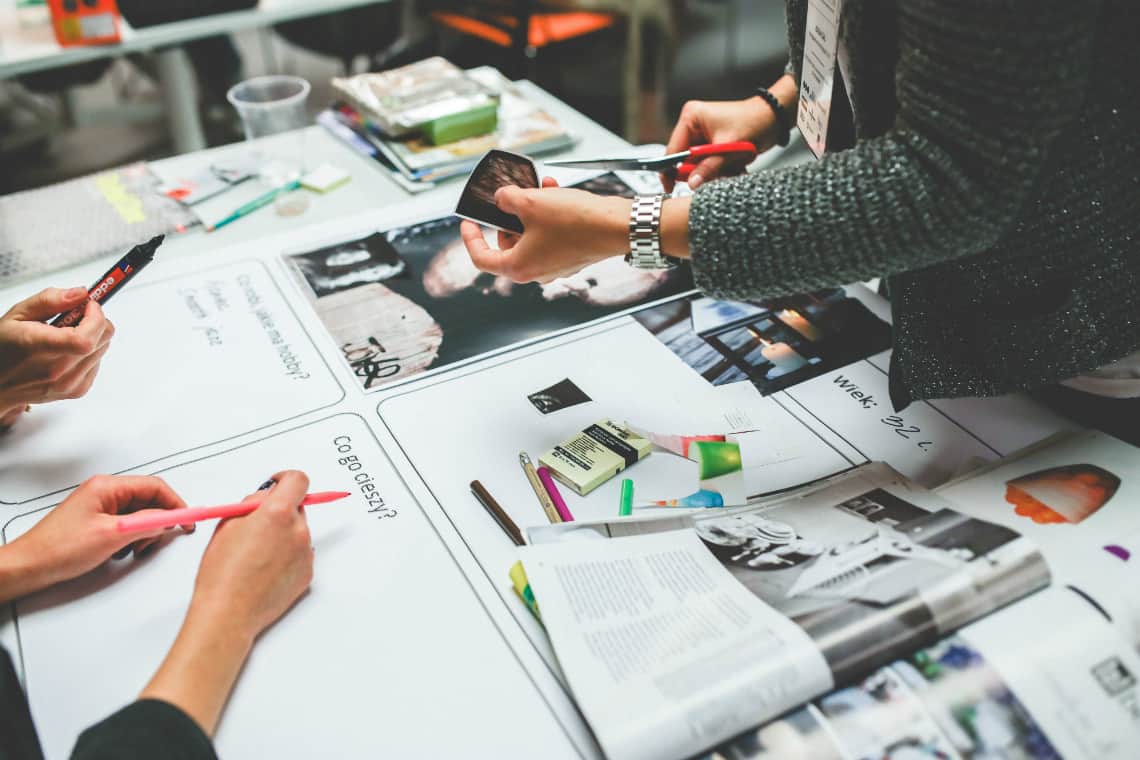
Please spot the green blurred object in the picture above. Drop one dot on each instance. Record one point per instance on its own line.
(481, 120)
(717, 458)
(625, 506)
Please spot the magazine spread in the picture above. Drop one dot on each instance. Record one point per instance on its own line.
(1076, 496)
(1046, 678)
(740, 615)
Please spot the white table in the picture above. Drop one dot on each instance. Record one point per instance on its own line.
(27, 49)
(369, 189)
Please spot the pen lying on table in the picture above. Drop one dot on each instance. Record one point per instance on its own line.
(172, 517)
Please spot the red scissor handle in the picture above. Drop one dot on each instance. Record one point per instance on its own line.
(698, 152)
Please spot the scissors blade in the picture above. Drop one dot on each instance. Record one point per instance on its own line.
(614, 164)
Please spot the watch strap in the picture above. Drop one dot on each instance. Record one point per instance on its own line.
(645, 234)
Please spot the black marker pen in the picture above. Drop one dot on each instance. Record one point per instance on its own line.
(115, 278)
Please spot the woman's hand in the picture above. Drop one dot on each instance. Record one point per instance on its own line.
(254, 569)
(81, 533)
(565, 230)
(258, 565)
(40, 363)
(704, 122)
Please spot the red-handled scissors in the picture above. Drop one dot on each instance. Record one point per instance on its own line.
(682, 163)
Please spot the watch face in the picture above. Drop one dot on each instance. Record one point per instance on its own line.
(498, 168)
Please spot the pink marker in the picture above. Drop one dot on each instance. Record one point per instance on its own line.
(171, 517)
(551, 489)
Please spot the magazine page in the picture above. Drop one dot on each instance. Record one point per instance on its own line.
(665, 653)
(869, 564)
(1075, 497)
(868, 568)
(1046, 678)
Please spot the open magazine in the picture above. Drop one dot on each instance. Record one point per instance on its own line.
(853, 620)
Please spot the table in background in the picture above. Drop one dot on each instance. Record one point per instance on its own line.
(27, 49)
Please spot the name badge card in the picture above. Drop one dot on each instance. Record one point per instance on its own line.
(817, 74)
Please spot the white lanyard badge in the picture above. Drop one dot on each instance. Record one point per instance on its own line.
(817, 74)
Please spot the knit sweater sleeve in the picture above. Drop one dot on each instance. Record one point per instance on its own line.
(145, 729)
(983, 87)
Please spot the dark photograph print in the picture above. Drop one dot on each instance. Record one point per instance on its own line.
(406, 300)
(498, 168)
(774, 344)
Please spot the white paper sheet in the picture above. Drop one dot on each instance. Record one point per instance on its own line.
(923, 441)
(1099, 552)
(389, 650)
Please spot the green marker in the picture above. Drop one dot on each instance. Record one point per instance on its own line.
(626, 507)
(262, 200)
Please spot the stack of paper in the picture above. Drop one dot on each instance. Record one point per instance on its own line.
(416, 163)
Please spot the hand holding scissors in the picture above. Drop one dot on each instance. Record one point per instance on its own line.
(678, 165)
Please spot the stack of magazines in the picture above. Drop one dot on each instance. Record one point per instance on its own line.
(411, 156)
(863, 617)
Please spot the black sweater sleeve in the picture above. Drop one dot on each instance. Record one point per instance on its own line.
(148, 728)
(18, 740)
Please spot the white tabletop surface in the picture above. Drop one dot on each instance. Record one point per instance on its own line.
(26, 49)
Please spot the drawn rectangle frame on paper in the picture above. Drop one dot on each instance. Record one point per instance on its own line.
(181, 452)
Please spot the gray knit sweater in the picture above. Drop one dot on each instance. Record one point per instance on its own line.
(995, 180)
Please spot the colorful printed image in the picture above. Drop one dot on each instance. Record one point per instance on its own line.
(773, 344)
(1061, 495)
(407, 300)
(941, 703)
(880, 719)
(974, 708)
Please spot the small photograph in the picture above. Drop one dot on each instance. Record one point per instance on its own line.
(558, 396)
(862, 576)
(499, 168)
(407, 300)
(974, 708)
(774, 345)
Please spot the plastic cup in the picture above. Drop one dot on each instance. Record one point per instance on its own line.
(270, 104)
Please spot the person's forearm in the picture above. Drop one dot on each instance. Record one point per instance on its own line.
(612, 226)
(675, 211)
(199, 672)
(21, 572)
(675, 227)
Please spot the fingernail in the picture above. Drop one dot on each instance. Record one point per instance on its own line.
(694, 181)
(267, 485)
(188, 529)
(75, 292)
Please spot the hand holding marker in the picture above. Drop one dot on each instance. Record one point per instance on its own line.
(113, 280)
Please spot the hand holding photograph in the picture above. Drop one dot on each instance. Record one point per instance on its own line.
(499, 168)
(406, 300)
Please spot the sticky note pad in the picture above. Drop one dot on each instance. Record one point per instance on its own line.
(595, 455)
(324, 178)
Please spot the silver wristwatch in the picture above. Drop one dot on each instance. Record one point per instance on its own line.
(645, 235)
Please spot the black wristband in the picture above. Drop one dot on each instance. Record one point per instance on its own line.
(783, 121)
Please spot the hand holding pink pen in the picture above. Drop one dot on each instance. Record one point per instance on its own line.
(173, 517)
